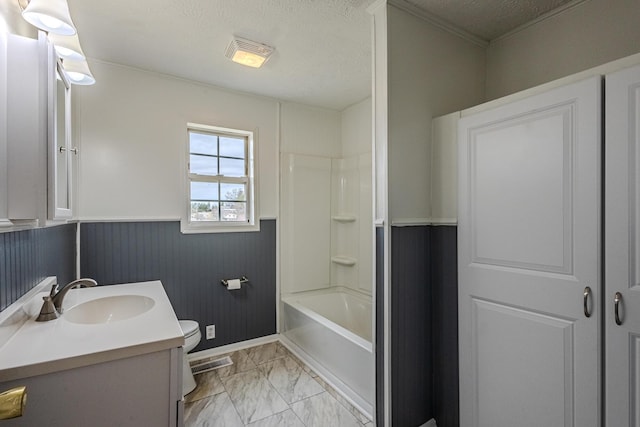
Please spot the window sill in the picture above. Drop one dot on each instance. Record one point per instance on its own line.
(201, 228)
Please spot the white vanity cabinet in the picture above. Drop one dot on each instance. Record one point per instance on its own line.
(103, 367)
(35, 139)
(136, 391)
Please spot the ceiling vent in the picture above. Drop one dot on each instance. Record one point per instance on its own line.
(247, 52)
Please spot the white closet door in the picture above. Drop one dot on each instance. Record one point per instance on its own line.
(622, 248)
(528, 246)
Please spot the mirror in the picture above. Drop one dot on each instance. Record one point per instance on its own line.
(62, 171)
(60, 146)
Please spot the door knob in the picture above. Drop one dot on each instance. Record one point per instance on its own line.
(12, 403)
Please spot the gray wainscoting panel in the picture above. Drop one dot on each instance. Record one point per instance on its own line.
(412, 400)
(444, 261)
(27, 257)
(380, 326)
(190, 267)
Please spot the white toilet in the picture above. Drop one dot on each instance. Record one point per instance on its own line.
(191, 331)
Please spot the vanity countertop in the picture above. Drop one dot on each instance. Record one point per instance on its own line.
(36, 348)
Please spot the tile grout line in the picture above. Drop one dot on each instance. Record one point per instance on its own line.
(289, 405)
(274, 389)
(229, 395)
(289, 408)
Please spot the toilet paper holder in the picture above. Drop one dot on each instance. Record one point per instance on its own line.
(225, 282)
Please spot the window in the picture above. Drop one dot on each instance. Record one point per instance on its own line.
(220, 180)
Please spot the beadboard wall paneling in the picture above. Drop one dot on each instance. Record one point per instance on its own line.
(444, 273)
(191, 267)
(28, 256)
(412, 400)
(424, 325)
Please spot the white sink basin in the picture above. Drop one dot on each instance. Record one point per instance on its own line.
(109, 309)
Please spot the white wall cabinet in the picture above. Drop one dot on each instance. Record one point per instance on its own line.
(528, 247)
(4, 222)
(531, 301)
(35, 141)
(622, 248)
(26, 132)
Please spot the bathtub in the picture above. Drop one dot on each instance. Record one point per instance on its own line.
(333, 327)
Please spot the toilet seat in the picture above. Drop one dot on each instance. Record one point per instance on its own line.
(189, 328)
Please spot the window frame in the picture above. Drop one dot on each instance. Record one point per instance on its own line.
(188, 226)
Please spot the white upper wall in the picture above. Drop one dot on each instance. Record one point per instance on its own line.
(356, 129)
(313, 131)
(430, 72)
(131, 130)
(587, 35)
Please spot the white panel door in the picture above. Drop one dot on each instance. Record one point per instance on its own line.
(528, 246)
(622, 248)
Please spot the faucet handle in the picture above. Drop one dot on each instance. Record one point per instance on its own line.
(54, 289)
(48, 310)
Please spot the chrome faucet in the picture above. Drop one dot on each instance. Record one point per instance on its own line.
(52, 306)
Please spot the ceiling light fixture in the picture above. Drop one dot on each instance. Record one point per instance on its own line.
(249, 53)
(78, 72)
(67, 47)
(51, 16)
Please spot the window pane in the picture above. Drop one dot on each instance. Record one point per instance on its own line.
(207, 191)
(203, 165)
(231, 167)
(204, 211)
(233, 211)
(232, 147)
(232, 192)
(202, 143)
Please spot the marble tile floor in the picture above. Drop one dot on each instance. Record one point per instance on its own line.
(267, 386)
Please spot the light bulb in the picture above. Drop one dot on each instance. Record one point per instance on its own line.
(76, 77)
(50, 21)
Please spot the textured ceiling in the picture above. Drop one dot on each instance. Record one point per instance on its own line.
(323, 47)
(322, 56)
(487, 19)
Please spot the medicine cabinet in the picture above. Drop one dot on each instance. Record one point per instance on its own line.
(36, 148)
(61, 152)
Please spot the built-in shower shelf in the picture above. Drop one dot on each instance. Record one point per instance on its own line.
(344, 218)
(344, 260)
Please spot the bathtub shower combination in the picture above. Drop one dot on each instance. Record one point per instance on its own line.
(334, 328)
(326, 269)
